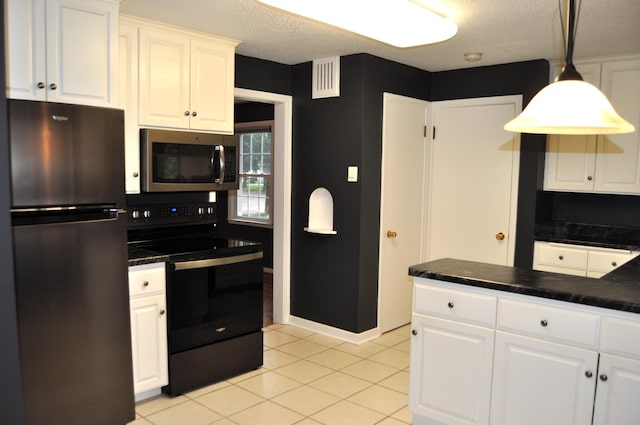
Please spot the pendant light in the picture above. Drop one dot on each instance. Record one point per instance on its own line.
(569, 105)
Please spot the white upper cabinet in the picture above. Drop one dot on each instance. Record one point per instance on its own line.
(603, 164)
(618, 156)
(128, 95)
(186, 80)
(63, 51)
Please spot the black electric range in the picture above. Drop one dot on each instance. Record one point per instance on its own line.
(214, 292)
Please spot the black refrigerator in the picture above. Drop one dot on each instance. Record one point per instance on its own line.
(69, 239)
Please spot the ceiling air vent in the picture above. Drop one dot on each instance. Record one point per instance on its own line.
(326, 77)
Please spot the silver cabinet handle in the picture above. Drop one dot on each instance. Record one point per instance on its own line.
(544, 323)
(186, 113)
(41, 85)
(146, 283)
(588, 374)
(450, 304)
(414, 332)
(603, 377)
(613, 263)
(162, 312)
(194, 113)
(53, 86)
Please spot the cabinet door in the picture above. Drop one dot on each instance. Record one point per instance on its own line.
(212, 76)
(618, 159)
(149, 343)
(451, 366)
(618, 390)
(570, 160)
(538, 382)
(82, 52)
(25, 49)
(164, 79)
(128, 96)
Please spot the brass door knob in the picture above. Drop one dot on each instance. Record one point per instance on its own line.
(391, 234)
(500, 236)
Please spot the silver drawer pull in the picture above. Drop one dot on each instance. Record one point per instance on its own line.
(613, 263)
(544, 323)
(450, 304)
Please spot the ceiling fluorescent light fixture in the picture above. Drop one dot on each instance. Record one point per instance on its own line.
(400, 23)
(569, 105)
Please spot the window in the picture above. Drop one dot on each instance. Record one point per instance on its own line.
(252, 202)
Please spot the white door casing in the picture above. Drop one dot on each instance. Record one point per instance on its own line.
(472, 180)
(401, 205)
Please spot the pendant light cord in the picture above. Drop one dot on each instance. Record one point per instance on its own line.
(569, 36)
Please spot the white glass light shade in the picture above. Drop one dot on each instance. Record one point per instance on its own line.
(569, 107)
(400, 23)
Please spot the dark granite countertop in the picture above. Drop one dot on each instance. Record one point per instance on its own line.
(618, 237)
(618, 290)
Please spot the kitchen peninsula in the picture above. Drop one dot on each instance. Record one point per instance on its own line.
(500, 345)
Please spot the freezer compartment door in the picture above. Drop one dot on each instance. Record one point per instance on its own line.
(73, 322)
(65, 154)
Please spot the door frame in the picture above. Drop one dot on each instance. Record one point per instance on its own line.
(283, 110)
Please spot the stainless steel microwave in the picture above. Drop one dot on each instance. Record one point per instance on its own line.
(176, 161)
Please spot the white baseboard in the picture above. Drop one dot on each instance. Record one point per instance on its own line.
(341, 334)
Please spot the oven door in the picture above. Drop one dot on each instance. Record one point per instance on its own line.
(212, 300)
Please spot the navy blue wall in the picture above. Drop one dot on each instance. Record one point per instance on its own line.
(334, 279)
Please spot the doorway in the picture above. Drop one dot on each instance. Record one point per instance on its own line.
(283, 107)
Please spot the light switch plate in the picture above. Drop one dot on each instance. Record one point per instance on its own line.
(352, 173)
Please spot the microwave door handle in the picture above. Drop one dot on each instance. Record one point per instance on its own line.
(221, 163)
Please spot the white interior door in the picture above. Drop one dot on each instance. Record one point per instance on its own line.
(401, 209)
(473, 180)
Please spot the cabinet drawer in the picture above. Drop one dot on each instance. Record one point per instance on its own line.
(559, 256)
(552, 323)
(147, 279)
(620, 336)
(606, 261)
(455, 305)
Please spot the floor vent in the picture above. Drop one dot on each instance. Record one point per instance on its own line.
(326, 77)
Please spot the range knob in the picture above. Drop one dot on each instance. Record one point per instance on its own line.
(146, 214)
(200, 210)
(135, 214)
(210, 210)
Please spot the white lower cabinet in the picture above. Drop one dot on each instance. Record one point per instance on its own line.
(445, 391)
(617, 399)
(519, 360)
(148, 329)
(539, 382)
(578, 260)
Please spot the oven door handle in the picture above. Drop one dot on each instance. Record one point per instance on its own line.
(213, 262)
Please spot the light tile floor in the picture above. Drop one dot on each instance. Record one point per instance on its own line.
(306, 379)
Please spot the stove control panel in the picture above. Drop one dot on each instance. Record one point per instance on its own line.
(171, 214)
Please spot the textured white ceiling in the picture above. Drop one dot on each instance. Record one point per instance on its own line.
(503, 30)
